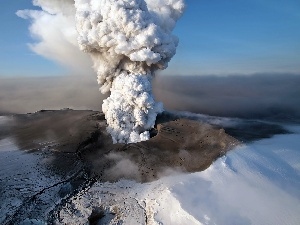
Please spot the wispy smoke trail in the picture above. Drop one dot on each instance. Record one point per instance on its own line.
(128, 41)
(54, 31)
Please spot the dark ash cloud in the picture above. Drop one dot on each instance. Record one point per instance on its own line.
(251, 96)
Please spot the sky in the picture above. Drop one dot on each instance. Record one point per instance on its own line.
(16, 59)
(216, 37)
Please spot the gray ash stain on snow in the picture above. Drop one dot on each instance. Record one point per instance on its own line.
(66, 151)
(32, 179)
(244, 130)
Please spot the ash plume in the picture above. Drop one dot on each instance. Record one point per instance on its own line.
(128, 40)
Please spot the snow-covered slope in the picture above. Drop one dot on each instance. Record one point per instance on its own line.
(257, 183)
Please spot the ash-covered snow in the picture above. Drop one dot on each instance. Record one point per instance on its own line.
(22, 176)
(257, 183)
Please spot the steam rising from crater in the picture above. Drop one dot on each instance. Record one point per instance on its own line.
(128, 40)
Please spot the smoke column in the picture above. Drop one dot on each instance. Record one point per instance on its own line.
(128, 40)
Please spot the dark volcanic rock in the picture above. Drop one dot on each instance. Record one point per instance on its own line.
(56, 154)
(66, 128)
(80, 136)
(180, 145)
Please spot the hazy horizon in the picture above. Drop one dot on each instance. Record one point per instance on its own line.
(250, 96)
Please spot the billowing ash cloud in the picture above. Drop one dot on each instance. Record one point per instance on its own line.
(128, 41)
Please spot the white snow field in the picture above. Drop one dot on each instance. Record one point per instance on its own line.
(257, 183)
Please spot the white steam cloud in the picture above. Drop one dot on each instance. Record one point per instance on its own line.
(128, 40)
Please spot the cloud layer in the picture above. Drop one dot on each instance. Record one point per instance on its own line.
(251, 96)
(23, 95)
(261, 95)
